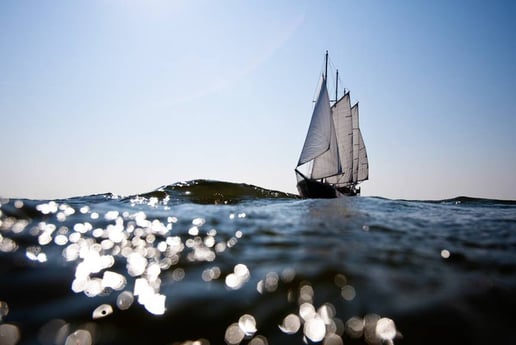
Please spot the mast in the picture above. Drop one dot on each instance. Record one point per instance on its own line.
(337, 86)
(326, 68)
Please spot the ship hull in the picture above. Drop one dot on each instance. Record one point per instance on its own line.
(319, 190)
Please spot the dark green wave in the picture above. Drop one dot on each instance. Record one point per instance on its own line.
(214, 192)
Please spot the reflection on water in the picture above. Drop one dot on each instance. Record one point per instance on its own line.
(9, 334)
(101, 243)
(102, 269)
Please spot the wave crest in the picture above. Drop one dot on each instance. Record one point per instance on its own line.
(214, 192)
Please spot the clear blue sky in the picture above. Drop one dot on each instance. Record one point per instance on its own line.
(125, 96)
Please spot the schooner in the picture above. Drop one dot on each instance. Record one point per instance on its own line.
(333, 160)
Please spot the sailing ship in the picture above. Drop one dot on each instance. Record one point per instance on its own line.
(333, 160)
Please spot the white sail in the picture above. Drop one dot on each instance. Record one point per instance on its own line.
(356, 134)
(363, 163)
(341, 113)
(327, 164)
(319, 133)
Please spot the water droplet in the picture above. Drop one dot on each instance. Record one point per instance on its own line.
(259, 340)
(198, 221)
(271, 281)
(93, 287)
(136, 264)
(102, 311)
(234, 335)
(61, 240)
(306, 311)
(288, 274)
(315, 329)
(247, 324)
(333, 339)
(385, 329)
(124, 300)
(193, 231)
(291, 324)
(79, 337)
(327, 312)
(370, 321)
(348, 292)
(232, 281)
(9, 334)
(355, 327)
(50, 333)
(340, 280)
(306, 294)
(4, 309)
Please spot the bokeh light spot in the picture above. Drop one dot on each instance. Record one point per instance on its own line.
(102, 311)
(79, 337)
(9, 334)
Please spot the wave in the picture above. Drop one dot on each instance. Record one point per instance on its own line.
(212, 192)
(476, 201)
(455, 200)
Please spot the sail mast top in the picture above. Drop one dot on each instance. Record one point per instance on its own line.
(337, 86)
(326, 68)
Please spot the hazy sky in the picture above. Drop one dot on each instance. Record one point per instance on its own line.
(125, 96)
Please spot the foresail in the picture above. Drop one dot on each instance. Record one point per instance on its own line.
(318, 137)
(341, 113)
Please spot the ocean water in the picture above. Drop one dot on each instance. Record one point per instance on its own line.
(207, 262)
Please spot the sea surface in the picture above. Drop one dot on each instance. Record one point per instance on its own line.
(208, 262)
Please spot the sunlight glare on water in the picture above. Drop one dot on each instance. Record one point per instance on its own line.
(234, 334)
(102, 311)
(113, 280)
(291, 324)
(333, 339)
(148, 297)
(124, 300)
(9, 334)
(355, 327)
(151, 256)
(348, 292)
(385, 329)
(315, 329)
(247, 324)
(4, 309)
(79, 337)
(239, 276)
(259, 340)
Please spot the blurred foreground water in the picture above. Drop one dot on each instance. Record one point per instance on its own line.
(207, 262)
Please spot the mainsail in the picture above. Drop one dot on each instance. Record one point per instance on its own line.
(356, 144)
(341, 115)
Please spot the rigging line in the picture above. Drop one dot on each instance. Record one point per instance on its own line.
(334, 68)
(317, 89)
(319, 84)
(333, 80)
